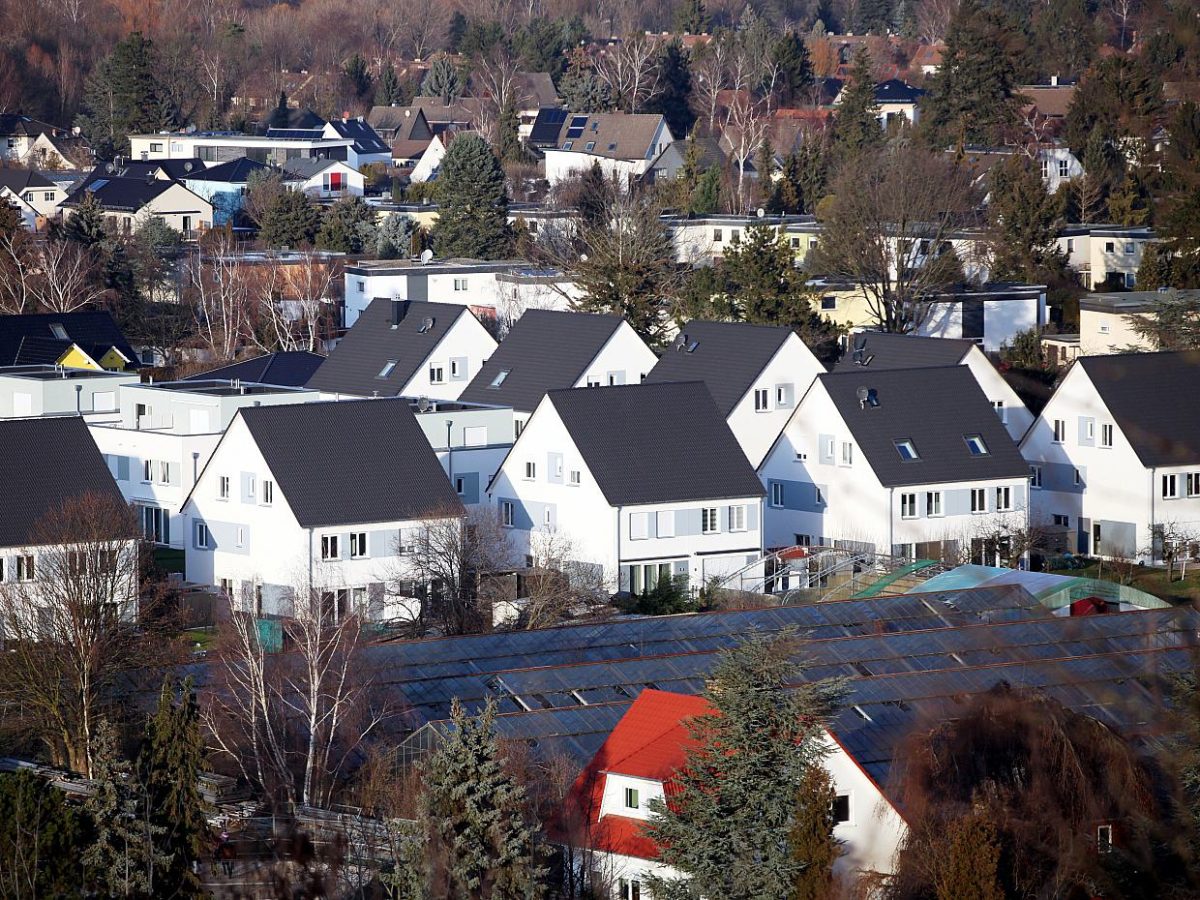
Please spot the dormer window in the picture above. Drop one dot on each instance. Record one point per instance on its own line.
(907, 450)
(632, 800)
(499, 379)
(976, 445)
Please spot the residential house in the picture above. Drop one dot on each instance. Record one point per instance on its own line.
(499, 290)
(46, 463)
(402, 348)
(668, 164)
(755, 374)
(470, 440)
(608, 805)
(897, 101)
(871, 351)
(704, 240)
(80, 340)
(1056, 163)
(214, 147)
(991, 315)
(35, 195)
(1106, 320)
(905, 462)
(18, 133)
(1106, 257)
(548, 350)
(283, 368)
(129, 202)
(398, 124)
(623, 145)
(278, 510)
(1047, 102)
(368, 147)
(323, 179)
(643, 481)
(429, 162)
(160, 436)
(1115, 455)
(548, 125)
(224, 186)
(51, 390)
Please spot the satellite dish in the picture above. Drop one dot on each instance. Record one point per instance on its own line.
(862, 393)
(680, 341)
(187, 167)
(426, 325)
(426, 256)
(867, 397)
(110, 168)
(423, 404)
(761, 212)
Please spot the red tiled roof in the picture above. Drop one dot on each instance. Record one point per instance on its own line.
(651, 741)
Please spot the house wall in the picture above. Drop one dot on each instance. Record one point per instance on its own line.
(786, 378)
(624, 359)
(1013, 412)
(315, 186)
(31, 590)
(1115, 491)
(40, 397)
(564, 165)
(467, 344)
(1102, 332)
(855, 508)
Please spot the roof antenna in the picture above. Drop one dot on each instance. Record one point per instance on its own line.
(860, 350)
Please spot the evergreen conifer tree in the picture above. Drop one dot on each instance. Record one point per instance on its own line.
(1024, 220)
(790, 54)
(123, 97)
(675, 89)
(595, 196)
(856, 126)
(359, 76)
(581, 89)
(473, 204)
(508, 138)
(728, 824)
(393, 240)
(40, 837)
(442, 80)
(87, 224)
(706, 198)
(123, 858)
(389, 91)
(970, 99)
(348, 226)
(292, 220)
(171, 762)
(480, 842)
(692, 18)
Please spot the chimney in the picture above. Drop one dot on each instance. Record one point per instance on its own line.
(345, 116)
(1053, 81)
(399, 311)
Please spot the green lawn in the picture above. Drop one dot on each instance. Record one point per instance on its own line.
(1150, 579)
(201, 638)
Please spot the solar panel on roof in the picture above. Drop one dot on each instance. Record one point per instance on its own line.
(575, 129)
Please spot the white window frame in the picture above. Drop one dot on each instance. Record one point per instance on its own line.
(387, 369)
(1059, 435)
(847, 457)
(634, 795)
(268, 492)
(904, 445)
(762, 400)
(1106, 435)
(978, 501)
(223, 482)
(331, 547)
(437, 373)
(454, 368)
(710, 522)
(1192, 482)
(933, 504)
(201, 536)
(26, 568)
(976, 444)
(1004, 499)
(530, 470)
(358, 544)
(777, 494)
(1170, 486)
(737, 517)
(508, 513)
(1035, 476)
(908, 505)
(575, 478)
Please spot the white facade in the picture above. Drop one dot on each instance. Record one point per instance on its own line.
(176, 206)
(545, 485)
(500, 290)
(1008, 404)
(704, 240)
(573, 158)
(1105, 254)
(53, 391)
(335, 182)
(821, 490)
(219, 147)
(161, 438)
(23, 568)
(1093, 483)
(242, 537)
(470, 442)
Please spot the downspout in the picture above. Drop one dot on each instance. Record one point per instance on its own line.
(310, 563)
(449, 453)
(618, 559)
(891, 521)
(1153, 479)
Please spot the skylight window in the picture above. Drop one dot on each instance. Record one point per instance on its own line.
(58, 331)
(387, 369)
(976, 445)
(907, 450)
(499, 379)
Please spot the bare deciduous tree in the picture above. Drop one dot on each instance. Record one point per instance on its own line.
(291, 302)
(933, 19)
(744, 130)
(219, 296)
(47, 276)
(68, 614)
(710, 77)
(630, 69)
(889, 231)
(559, 586)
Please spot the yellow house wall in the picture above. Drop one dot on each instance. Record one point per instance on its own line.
(75, 358)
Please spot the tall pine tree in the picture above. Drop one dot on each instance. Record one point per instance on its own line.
(389, 91)
(856, 127)
(442, 80)
(472, 202)
(1025, 222)
(87, 223)
(123, 96)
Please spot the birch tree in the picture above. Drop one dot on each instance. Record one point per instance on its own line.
(219, 295)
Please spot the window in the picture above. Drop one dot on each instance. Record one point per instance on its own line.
(1105, 328)
(1089, 429)
(708, 520)
(639, 526)
(1003, 499)
(507, 513)
(776, 494)
(629, 890)
(201, 536)
(358, 544)
(460, 284)
(1064, 168)
(717, 235)
(908, 506)
(829, 302)
(1045, 168)
(223, 487)
(1035, 476)
(841, 809)
(1070, 245)
(593, 381)
(734, 236)
(147, 470)
(499, 379)
(794, 243)
(387, 369)
(1061, 521)
(1060, 430)
(1193, 484)
(803, 540)
(1128, 248)
(25, 568)
(1109, 247)
(737, 518)
(762, 400)
(548, 516)
(589, 146)
(531, 470)
(978, 500)
(1106, 435)
(241, 536)
(406, 541)
(847, 453)
(1078, 477)
(631, 798)
(329, 547)
(783, 394)
(155, 147)
(460, 486)
(27, 196)
(268, 493)
(1104, 839)
(819, 496)
(361, 286)
(455, 368)
(1170, 487)
(998, 405)
(976, 445)
(933, 503)
(907, 450)
(437, 373)
(568, 144)
(575, 478)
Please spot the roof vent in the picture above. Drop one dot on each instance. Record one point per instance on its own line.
(423, 404)
(680, 341)
(867, 397)
(860, 350)
(426, 325)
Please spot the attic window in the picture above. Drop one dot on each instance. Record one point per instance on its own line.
(691, 348)
(58, 331)
(907, 450)
(591, 145)
(976, 445)
(612, 146)
(499, 379)
(567, 145)
(387, 369)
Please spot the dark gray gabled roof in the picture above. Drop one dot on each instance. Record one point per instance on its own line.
(726, 356)
(306, 167)
(544, 351)
(352, 462)
(46, 462)
(366, 139)
(1153, 398)
(903, 351)
(284, 368)
(387, 331)
(935, 408)
(656, 443)
(235, 171)
(18, 180)
(27, 338)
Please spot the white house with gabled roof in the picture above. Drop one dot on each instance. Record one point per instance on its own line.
(907, 462)
(644, 481)
(319, 496)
